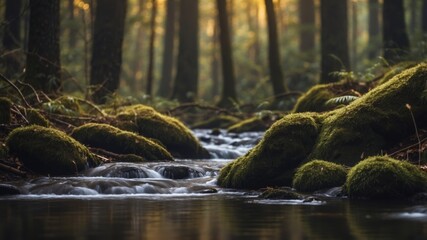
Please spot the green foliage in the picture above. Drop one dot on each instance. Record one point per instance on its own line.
(115, 140)
(48, 151)
(381, 177)
(317, 175)
(314, 99)
(34, 117)
(345, 100)
(64, 105)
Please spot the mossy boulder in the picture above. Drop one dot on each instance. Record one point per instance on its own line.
(115, 140)
(396, 69)
(318, 174)
(36, 118)
(259, 123)
(381, 177)
(174, 135)
(280, 193)
(272, 161)
(48, 151)
(376, 121)
(220, 121)
(5, 113)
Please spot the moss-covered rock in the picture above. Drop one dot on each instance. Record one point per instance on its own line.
(5, 114)
(381, 177)
(259, 123)
(280, 193)
(394, 70)
(317, 175)
(116, 140)
(272, 161)
(174, 135)
(36, 118)
(220, 121)
(374, 122)
(48, 151)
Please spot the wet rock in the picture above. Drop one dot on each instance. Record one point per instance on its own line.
(6, 189)
(179, 172)
(281, 193)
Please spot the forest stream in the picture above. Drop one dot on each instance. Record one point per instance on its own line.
(180, 200)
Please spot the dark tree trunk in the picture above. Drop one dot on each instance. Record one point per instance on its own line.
(413, 19)
(354, 34)
(334, 39)
(43, 64)
(374, 29)
(12, 37)
(307, 22)
(150, 71)
(215, 65)
(185, 86)
(168, 52)
(73, 30)
(395, 37)
(276, 74)
(137, 54)
(107, 48)
(228, 95)
(424, 18)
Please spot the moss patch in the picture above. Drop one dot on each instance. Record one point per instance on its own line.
(385, 178)
(376, 121)
(280, 193)
(48, 151)
(118, 141)
(272, 161)
(317, 175)
(5, 114)
(35, 117)
(217, 122)
(176, 137)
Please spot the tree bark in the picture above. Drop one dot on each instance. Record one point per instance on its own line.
(12, 37)
(43, 62)
(307, 22)
(73, 30)
(276, 74)
(374, 29)
(168, 50)
(186, 80)
(150, 71)
(334, 39)
(395, 37)
(228, 96)
(107, 48)
(424, 19)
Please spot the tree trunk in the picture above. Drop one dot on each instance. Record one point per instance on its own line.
(12, 36)
(215, 66)
(334, 39)
(73, 30)
(43, 63)
(374, 29)
(307, 22)
(354, 34)
(168, 50)
(107, 48)
(395, 37)
(228, 96)
(185, 87)
(276, 74)
(424, 19)
(150, 70)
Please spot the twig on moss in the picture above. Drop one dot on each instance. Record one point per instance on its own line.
(416, 132)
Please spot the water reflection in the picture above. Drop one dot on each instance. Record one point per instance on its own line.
(209, 217)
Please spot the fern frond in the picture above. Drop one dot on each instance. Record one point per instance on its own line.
(341, 100)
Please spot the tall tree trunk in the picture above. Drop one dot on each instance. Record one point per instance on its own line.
(276, 74)
(43, 62)
(413, 19)
(395, 37)
(374, 29)
(424, 19)
(150, 71)
(73, 30)
(334, 39)
(186, 80)
(307, 22)
(136, 78)
(107, 48)
(228, 95)
(215, 66)
(168, 50)
(354, 34)
(12, 36)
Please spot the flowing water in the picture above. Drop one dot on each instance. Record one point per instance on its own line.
(180, 200)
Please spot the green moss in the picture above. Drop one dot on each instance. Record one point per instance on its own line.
(5, 114)
(64, 105)
(272, 161)
(220, 121)
(118, 141)
(48, 151)
(376, 121)
(174, 135)
(396, 69)
(3, 151)
(254, 124)
(385, 178)
(317, 175)
(34, 117)
(314, 99)
(280, 193)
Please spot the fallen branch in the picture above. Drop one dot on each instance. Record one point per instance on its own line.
(7, 168)
(16, 89)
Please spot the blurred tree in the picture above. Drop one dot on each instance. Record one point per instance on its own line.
(424, 18)
(137, 52)
(107, 48)
(373, 28)
(168, 52)
(306, 16)
(43, 63)
(12, 36)
(186, 80)
(149, 89)
(334, 39)
(395, 36)
(228, 95)
(215, 62)
(276, 74)
(73, 29)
